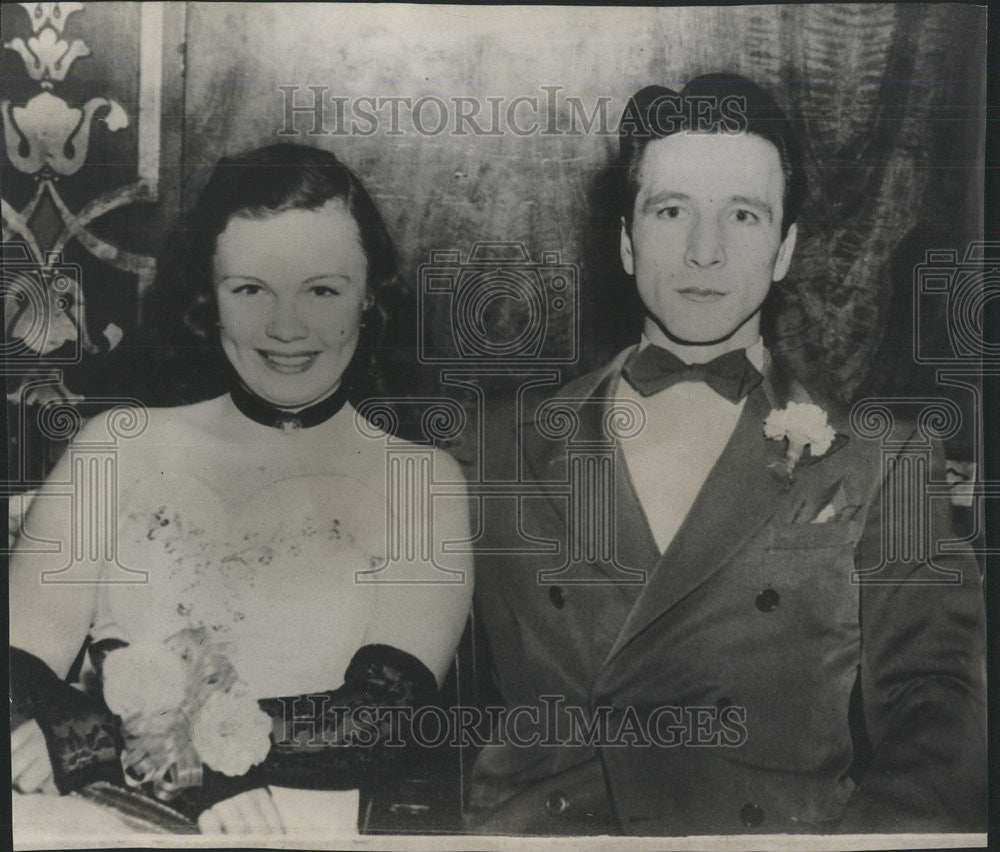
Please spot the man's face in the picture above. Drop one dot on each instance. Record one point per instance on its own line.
(706, 242)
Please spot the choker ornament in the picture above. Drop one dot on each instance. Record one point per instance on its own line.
(267, 414)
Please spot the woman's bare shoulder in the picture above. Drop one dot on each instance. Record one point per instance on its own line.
(447, 469)
(137, 425)
(142, 437)
(379, 442)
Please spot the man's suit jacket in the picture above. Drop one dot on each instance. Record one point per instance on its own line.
(752, 630)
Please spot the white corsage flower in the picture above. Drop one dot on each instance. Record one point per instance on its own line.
(144, 679)
(803, 424)
(230, 732)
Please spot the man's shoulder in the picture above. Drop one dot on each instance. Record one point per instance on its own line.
(584, 386)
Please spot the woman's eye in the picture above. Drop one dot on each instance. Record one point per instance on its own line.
(323, 290)
(746, 217)
(248, 289)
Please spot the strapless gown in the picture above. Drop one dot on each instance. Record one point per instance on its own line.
(271, 579)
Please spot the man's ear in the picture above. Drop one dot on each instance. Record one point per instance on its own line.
(785, 252)
(626, 249)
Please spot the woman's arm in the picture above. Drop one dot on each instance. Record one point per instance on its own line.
(422, 606)
(83, 738)
(338, 739)
(50, 617)
(53, 587)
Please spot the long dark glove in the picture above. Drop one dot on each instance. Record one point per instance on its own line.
(339, 739)
(83, 736)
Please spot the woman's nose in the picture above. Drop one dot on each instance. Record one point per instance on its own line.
(704, 247)
(286, 323)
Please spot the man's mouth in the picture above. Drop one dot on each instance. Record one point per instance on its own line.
(289, 363)
(698, 294)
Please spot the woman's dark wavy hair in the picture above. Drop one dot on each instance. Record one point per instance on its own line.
(180, 314)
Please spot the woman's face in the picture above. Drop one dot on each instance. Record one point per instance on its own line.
(291, 288)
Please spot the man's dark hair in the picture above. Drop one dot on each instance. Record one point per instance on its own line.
(715, 103)
(180, 314)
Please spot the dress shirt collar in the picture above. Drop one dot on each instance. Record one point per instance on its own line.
(756, 353)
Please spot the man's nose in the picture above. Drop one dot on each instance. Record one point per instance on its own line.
(286, 323)
(704, 247)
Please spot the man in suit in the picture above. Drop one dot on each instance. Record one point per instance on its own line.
(726, 636)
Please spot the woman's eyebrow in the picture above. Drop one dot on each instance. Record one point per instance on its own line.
(238, 277)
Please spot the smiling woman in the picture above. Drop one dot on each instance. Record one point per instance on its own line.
(260, 518)
(290, 196)
(295, 313)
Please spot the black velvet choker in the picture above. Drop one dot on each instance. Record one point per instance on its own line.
(267, 414)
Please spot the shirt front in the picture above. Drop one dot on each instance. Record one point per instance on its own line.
(687, 427)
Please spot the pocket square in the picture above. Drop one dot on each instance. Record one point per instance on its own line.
(824, 507)
(830, 514)
(827, 513)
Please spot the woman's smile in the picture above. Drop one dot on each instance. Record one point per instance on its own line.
(288, 362)
(291, 290)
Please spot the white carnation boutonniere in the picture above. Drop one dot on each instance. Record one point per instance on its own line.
(804, 425)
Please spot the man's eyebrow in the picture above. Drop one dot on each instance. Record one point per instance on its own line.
(751, 201)
(661, 197)
(310, 280)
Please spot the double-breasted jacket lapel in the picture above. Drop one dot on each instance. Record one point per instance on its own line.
(738, 496)
(741, 493)
(548, 461)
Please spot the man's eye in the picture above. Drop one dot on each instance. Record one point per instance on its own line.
(747, 217)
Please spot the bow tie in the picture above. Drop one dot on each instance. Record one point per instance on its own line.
(651, 369)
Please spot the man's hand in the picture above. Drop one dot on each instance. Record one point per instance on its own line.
(30, 767)
(252, 812)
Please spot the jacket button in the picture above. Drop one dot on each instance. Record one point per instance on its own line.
(557, 803)
(767, 601)
(752, 816)
(556, 597)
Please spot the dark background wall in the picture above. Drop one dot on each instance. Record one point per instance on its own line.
(890, 98)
